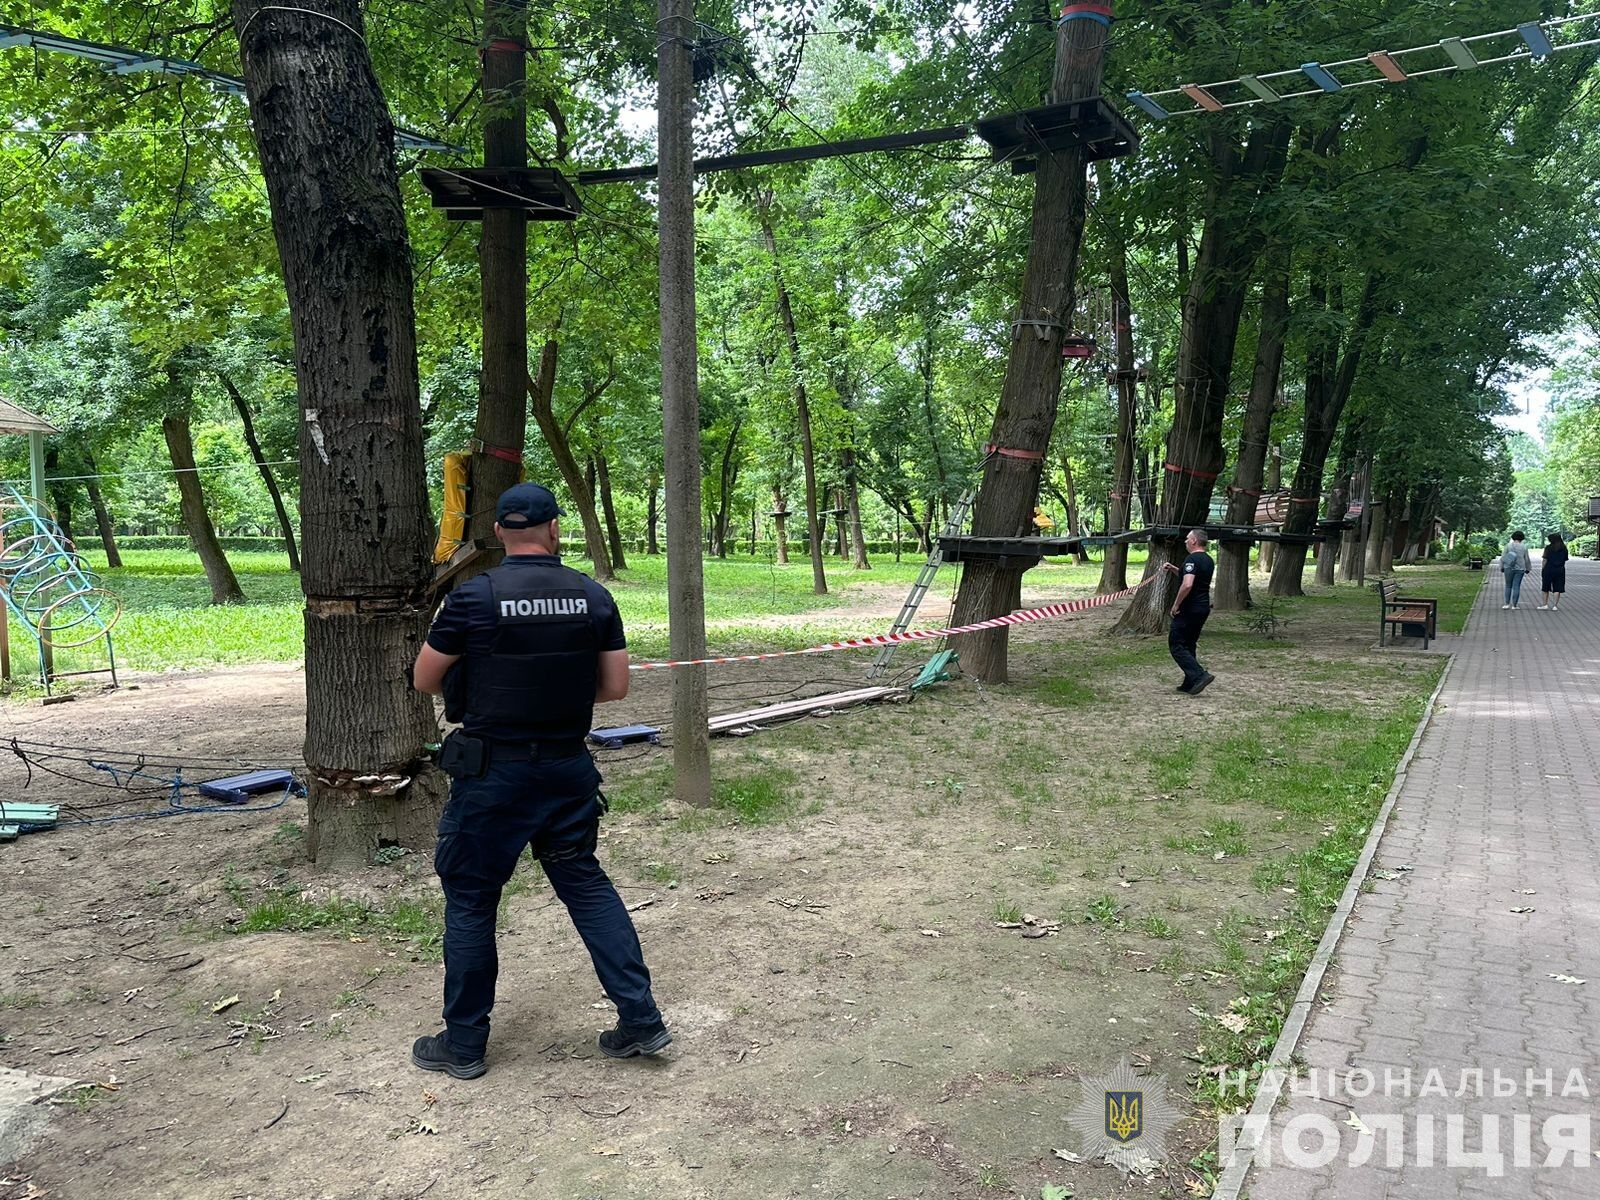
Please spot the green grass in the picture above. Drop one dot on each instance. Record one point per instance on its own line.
(168, 620)
(418, 923)
(756, 797)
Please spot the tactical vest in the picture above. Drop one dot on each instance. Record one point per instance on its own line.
(544, 665)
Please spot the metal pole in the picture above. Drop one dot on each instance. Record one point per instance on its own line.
(36, 465)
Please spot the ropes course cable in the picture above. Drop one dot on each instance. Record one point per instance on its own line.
(1383, 66)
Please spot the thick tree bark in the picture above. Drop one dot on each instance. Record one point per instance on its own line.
(541, 399)
(1114, 568)
(326, 144)
(196, 520)
(619, 558)
(247, 420)
(501, 429)
(1329, 381)
(676, 32)
(102, 515)
(1026, 414)
(841, 529)
(1232, 590)
(1230, 243)
(652, 519)
(808, 453)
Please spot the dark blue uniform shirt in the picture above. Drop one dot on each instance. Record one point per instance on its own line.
(1199, 567)
(466, 626)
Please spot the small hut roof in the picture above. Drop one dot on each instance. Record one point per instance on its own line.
(19, 420)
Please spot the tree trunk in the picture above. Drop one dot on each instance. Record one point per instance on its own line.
(326, 144)
(676, 32)
(1114, 568)
(541, 398)
(1029, 397)
(808, 454)
(730, 473)
(1232, 591)
(1213, 305)
(1400, 525)
(1329, 382)
(247, 420)
(780, 527)
(619, 558)
(852, 499)
(1328, 558)
(652, 544)
(1274, 481)
(1074, 516)
(1377, 537)
(501, 428)
(196, 520)
(1351, 546)
(60, 498)
(102, 516)
(926, 359)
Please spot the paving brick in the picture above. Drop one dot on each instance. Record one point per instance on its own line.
(1435, 971)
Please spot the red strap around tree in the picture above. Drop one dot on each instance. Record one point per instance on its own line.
(1180, 469)
(504, 453)
(1012, 452)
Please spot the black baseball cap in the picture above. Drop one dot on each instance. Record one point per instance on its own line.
(526, 505)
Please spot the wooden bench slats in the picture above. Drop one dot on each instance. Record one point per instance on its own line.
(1406, 610)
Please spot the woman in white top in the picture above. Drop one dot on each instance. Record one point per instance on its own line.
(1515, 563)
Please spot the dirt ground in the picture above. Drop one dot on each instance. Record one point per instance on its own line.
(849, 1019)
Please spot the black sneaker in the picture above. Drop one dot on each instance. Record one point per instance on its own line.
(623, 1042)
(1182, 687)
(434, 1054)
(1202, 683)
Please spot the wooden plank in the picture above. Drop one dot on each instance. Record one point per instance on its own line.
(725, 722)
(18, 811)
(8, 833)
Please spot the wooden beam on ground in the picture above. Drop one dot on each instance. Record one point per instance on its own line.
(811, 705)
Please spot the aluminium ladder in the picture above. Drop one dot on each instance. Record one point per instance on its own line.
(919, 590)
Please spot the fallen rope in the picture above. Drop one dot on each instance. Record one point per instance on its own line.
(1023, 617)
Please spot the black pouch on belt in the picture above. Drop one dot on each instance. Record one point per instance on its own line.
(463, 757)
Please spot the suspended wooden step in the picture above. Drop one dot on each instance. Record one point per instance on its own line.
(1091, 123)
(542, 193)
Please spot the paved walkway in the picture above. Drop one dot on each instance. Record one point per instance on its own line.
(1436, 971)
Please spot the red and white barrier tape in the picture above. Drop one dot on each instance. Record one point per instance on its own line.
(1025, 616)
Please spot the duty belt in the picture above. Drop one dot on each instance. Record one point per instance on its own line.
(536, 751)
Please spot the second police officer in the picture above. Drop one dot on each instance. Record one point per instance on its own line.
(521, 654)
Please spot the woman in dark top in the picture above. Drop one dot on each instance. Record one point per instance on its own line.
(1555, 572)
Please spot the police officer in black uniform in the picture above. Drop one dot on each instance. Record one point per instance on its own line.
(521, 654)
(1190, 610)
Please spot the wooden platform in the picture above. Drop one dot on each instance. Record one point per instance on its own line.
(542, 193)
(1091, 123)
(751, 720)
(1011, 552)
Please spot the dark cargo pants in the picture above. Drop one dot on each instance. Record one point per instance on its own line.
(1182, 638)
(553, 806)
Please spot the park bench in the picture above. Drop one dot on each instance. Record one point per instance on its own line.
(1474, 564)
(1416, 616)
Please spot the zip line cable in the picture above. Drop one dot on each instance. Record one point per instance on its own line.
(250, 466)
